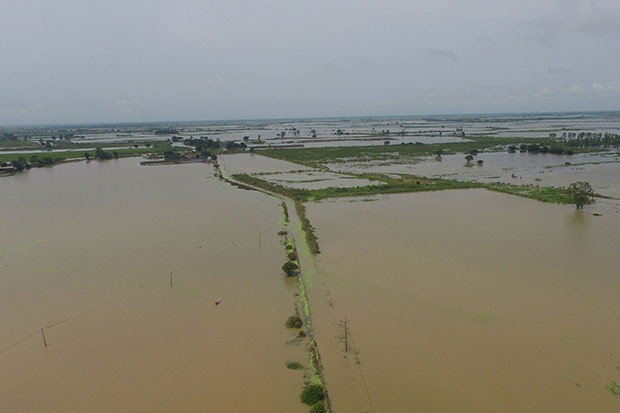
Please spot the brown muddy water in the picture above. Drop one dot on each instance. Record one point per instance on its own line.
(86, 250)
(245, 163)
(467, 301)
(317, 180)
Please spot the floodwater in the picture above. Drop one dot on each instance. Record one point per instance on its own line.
(245, 163)
(600, 169)
(467, 301)
(86, 251)
(317, 180)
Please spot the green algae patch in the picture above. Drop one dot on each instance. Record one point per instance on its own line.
(25, 246)
(294, 365)
(475, 317)
(614, 389)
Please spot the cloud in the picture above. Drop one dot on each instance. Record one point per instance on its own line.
(559, 70)
(358, 60)
(443, 53)
(574, 89)
(575, 17)
(128, 105)
(607, 87)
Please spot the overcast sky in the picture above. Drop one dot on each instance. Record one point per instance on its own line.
(148, 60)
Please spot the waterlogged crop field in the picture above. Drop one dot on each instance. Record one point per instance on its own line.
(395, 276)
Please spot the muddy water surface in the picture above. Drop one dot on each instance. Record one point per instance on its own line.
(467, 301)
(86, 249)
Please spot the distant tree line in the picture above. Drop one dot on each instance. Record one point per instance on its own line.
(34, 161)
(204, 145)
(542, 148)
(101, 155)
(165, 131)
(592, 140)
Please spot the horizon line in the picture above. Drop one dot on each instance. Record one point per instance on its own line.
(303, 118)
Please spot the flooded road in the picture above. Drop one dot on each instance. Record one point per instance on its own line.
(467, 301)
(86, 251)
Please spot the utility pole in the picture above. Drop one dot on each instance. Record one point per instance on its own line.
(170, 278)
(43, 335)
(346, 340)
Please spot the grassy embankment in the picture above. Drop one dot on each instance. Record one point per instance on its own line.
(156, 148)
(406, 183)
(19, 144)
(315, 383)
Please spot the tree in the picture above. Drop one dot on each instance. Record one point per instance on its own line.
(582, 193)
(170, 155)
(290, 269)
(312, 394)
(19, 165)
(87, 155)
(480, 162)
(469, 158)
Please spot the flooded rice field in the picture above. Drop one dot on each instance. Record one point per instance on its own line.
(86, 251)
(346, 131)
(467, 301)
(461, 300)
(600, 169)
(317, 180)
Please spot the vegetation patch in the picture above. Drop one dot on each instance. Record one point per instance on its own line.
(285, 211)
(318, 407)
(314, 157)
(294, 321)
(294, 365)
(290, 268)
(405, 183)
(614, 389)
(312, 394)
(43, 158)
(307, 228)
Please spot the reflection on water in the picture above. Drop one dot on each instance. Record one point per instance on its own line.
(468, 301)
(92, 245)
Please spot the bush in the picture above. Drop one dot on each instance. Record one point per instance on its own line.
(312, 394)
(294, 365)
(290, 269)
(318, 408)
(292, 256)
(294, 321)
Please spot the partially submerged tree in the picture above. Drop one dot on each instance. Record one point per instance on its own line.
(582, 193)
(290, 269)
(469, 158)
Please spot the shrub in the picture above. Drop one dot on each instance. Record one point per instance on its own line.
(290, 269)
(294, 321)
(312, 394)
(294, 365)
(292, 256)
(318, 408)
